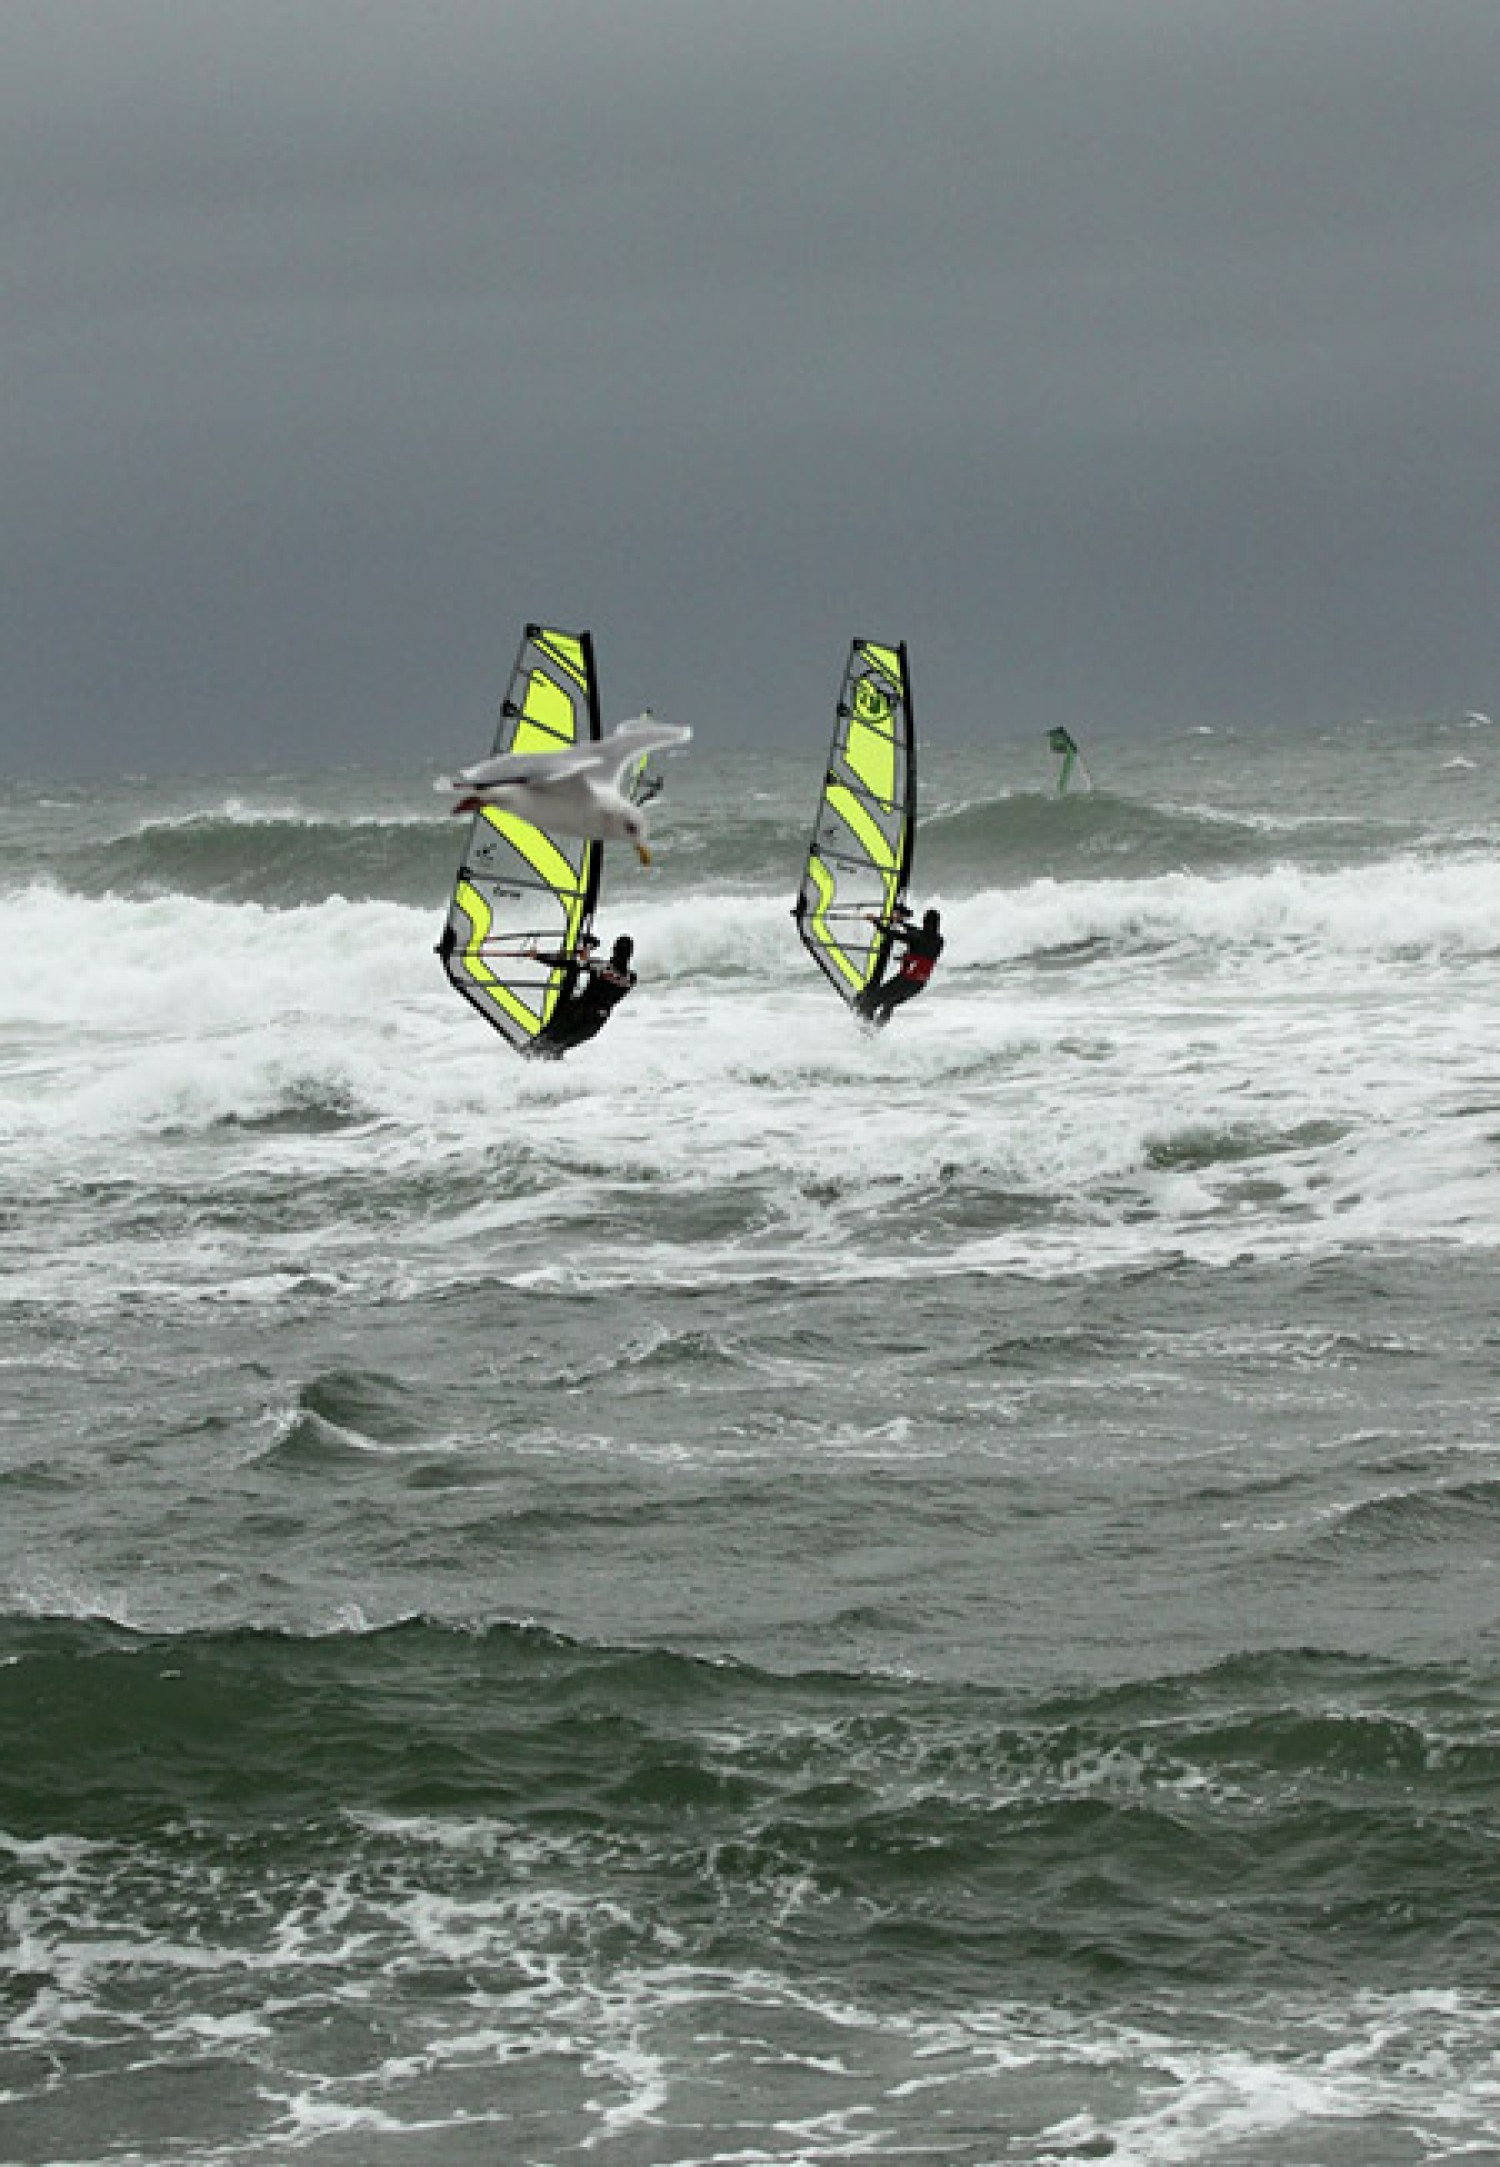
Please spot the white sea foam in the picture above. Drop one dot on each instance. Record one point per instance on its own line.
(1331, 1032)
(499, 1957)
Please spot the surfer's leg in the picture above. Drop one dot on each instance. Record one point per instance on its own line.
(587, 1028)
(892, 997)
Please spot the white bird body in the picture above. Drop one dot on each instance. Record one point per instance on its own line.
(576, 792)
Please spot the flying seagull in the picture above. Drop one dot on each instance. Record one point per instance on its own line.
(577, 792)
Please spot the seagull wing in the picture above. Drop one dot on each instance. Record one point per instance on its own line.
(536, 770)
(642, 733)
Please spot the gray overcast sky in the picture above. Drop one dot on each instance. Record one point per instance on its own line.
(1134, 360)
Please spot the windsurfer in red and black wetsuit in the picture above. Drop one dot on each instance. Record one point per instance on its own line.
(923, 945)
(582, 1011)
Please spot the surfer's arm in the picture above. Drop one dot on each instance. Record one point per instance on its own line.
(572, 959)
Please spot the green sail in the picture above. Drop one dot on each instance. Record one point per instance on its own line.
(1062, 742)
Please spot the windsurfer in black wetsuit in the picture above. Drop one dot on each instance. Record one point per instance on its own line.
(583, 1009)
(923, 945)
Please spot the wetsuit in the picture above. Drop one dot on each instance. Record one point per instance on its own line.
(581, 1014)
(917, 965)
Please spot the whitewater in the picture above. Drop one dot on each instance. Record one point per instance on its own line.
(764, 1593)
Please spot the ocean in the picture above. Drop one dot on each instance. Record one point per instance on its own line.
(765, 1595)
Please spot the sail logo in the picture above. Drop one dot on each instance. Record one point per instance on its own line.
(871, 704)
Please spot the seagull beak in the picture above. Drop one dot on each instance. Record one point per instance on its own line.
(643, 853)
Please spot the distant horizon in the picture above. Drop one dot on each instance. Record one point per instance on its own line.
(931, 742)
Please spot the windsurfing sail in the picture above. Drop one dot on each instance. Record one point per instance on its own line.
(1062, 743)
(519, 888)
(643, 783)
(859, 860)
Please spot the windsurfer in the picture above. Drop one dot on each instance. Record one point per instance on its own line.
(583, 1009)
(923, 945)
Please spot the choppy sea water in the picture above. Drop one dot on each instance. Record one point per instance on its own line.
(761, 1595)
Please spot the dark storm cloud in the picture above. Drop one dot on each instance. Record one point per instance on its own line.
(1132, 358)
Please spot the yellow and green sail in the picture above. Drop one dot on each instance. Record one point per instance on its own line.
(859, 860)
(519, 887)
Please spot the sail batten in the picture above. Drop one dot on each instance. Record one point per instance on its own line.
(859, 860)
(518, 887)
